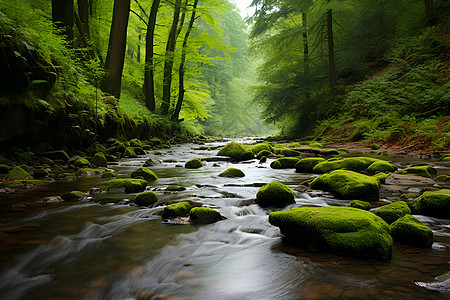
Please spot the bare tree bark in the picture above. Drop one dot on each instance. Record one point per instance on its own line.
(62, 16)
(83, 12)
(116, 48)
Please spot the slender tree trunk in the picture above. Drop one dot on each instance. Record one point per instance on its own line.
(306, 52)
(149, 84)
(62, 16)
(429, 8)
(138, 54)
(83, 12)
(181, 90)
(84, 37)
(169, 56)
(116, 48)
(331, 50)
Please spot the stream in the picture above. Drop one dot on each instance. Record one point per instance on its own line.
(85, 250)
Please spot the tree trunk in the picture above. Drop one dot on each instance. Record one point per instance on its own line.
(83, 12)
(169, 56)
(149, 84)
(115, 56)
(62, 16)
(331, 50)
(429, 8)
(181, 90)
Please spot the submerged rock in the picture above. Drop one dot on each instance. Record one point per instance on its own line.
(17, 173)
(145, 173)
(348, 185)
(180, 209)
(194, 163)
(435, 204)
(306, 165)
(275, 194)
(236, 152)
(284, 163)
(74, 196)
(360, 204)
(175, 188)
(391, 212)
(342, 230)
(129, 185)
(204, 215)
(232, 172)
(145, 198)
(409, 230)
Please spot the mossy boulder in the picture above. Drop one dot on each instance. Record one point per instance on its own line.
(129, 153)
(145, 198)
(360, 204)
(129, 185)
(232, 172)
(294, 145)
(57, 155)
(330, 152)
(435, 204)
(204, 215)
(260, 147)
(236, 152)
(289, 152)
(135, 143)
(263, 153)
(391, 212)
(381, 166)
(108, 174)
(275, 194)
(447, 158)
(17, 173)
(89, 171)
(284, 163)
(145, 173)
(180, 209)
(99, 160)
(139, 150)
(409, 230)
(73, 196)
(356, 164)
(342, 230)
(345, 184)
(306, 165)
(316, 145)
(194, 163)
(424, 171)
(82, 163)
(175, 188)
(382, 177)
(154, 141)
(262, 159)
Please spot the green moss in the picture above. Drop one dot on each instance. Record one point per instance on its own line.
(381, 166)
(129, 153)
(263, 153)
(343, 150)
(294, 145)
(99, 160)
(89, 171)
(356, 164)
(154, 141)
(447, 158)
(343, 230)
(409, 230)
(139, 150)
(180, 209)
(382, 177)
(375, 146)
(435, 204)
(236, 152)
(289, 153)
(135, 143)
(232, 172)
(275, 194)
(345, 184)
(330, 152)
(57, 155)
(194, 163)
(284, 163)
(360, 204)
(391, 212)
(108, 174)
(442, 178)
(260, 147)
(263, 160)
(82, 163)
(17, 173)
(204, 215)
(67, 176)
(316, 145)
(175, 188)
(144, 173)
(129, 185)
(145, 198)
(73, 196)
(424, 171)
(306, 165)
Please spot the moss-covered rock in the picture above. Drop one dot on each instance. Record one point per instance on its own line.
(236, 152)
(145, 173)
(391, 212)
(356, 164)
(275, 194)
(82, 163)
(263, 153)
(136, 143)
(316, 145)
(345, 184)
(342, 230)
(360, 204)
(175, 188)
(262, 160)
(40, 173)
(204, 215)
(17, 173)
(57, 155)
(129, 185)
(442, 178)
(330, 152)
(424, 171)
(99, 160)
(375, 146)
(381, 166)
(108, 174)
(154, 141)
(294, 145)
(435, 204)
(180, 209)
(382, 177)
(73, 196)
(284, 163)
(409, 230)
(129, 153)
(89, 171)
(260, 147)
(145, 198)
(306, 165)
(289, 152)
(447, 158)
(232, 172)
(139, 150)
(194, 163)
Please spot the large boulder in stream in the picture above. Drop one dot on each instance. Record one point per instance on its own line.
(284, 163)
(356, 164)
(424, 171)
(275, 194)
(391, 212)
(17, 173)
(307, 165)
(144, 173)
(341, 230)
(434, 204)
(194, 163)
(129, 185)
(236, 152)
(180, 209)
(99, 160)
(145, 198)
(350, 185)
(232, 172)
(409, 230)
(204, 215)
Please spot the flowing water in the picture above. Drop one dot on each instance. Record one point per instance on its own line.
(86, 250)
